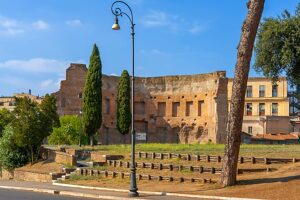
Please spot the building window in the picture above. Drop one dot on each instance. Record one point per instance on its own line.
(249, 91)
(188, 109)
(274, 108)
(261, 109)
(107, 106)
(249, 109)
(250, 130)
(200, 108)
(262, 91)
(1, 103)
(274, 90)
(175, 109)
(80, 95)
(161, 109)
(139, 108)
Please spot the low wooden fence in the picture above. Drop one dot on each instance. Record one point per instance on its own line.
(213, 158)
(170, 167)
(114, 174)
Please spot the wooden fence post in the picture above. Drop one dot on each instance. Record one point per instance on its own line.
(242, 160)
(188, 157)
(253, 160)
(201, 169)
(266, 161)
(153, 155)
(208, 158)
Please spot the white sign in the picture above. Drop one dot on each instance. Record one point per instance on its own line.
(141, 136)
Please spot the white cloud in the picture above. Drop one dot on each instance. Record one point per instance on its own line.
(158, 19)
(40, 25)
(152, 51)
(10, 26)
(74, 23)
(173, 23)
(39, 65)
(46, 83)
(196, 29)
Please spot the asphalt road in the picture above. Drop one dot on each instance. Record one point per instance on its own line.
(24, 195)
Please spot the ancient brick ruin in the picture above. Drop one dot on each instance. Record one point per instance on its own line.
(168, 109)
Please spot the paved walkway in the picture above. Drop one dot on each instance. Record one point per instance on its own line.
(92, 193)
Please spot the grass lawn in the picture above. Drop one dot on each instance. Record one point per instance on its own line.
(282, 151)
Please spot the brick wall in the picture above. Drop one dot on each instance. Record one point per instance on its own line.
(201, 106)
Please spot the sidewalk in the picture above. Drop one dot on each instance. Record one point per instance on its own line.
(99, 193)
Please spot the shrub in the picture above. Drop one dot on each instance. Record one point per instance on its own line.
(11, 155)
(68, 132)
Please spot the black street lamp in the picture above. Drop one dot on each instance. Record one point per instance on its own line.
(80, 130)
(133, 191)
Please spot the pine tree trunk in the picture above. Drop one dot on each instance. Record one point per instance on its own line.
(235, 118)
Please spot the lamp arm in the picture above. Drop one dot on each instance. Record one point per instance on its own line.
(117, 11)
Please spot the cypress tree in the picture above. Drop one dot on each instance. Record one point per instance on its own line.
(123, 104)
(92, 100)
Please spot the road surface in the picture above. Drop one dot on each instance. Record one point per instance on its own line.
(24, 195)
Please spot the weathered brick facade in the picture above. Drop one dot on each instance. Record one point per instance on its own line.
(169, 109)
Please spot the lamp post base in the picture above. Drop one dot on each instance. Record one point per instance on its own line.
(133, 193)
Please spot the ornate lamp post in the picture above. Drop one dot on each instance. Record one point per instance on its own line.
(118, 12)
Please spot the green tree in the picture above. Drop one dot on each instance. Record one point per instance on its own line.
(29, 126)
(6, 117)
(123, 104)
(48, 107)
(277, 47)
(11, 155)
(92, 100)
(68, 132)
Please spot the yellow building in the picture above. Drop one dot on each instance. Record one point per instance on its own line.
(266, 106)
(9, 102)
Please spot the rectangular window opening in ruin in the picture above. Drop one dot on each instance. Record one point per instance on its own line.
(188, 109)
(175, 109)
(139, 107)
(161, 109)
(200, 108)
(107, 106)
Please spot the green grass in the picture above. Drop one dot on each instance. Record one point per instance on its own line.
(284, 151)
(76, 177)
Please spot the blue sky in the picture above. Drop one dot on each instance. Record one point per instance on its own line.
(38, 39)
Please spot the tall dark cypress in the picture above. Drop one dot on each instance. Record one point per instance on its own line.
(92, 100)
(123, 104)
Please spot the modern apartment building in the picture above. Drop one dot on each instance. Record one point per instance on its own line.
(9, 102)
(266, 106)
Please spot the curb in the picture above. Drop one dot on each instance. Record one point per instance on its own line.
(68, 193)
(154, 193)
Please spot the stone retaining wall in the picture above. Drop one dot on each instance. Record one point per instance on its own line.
(59, 157)
(98, 157)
